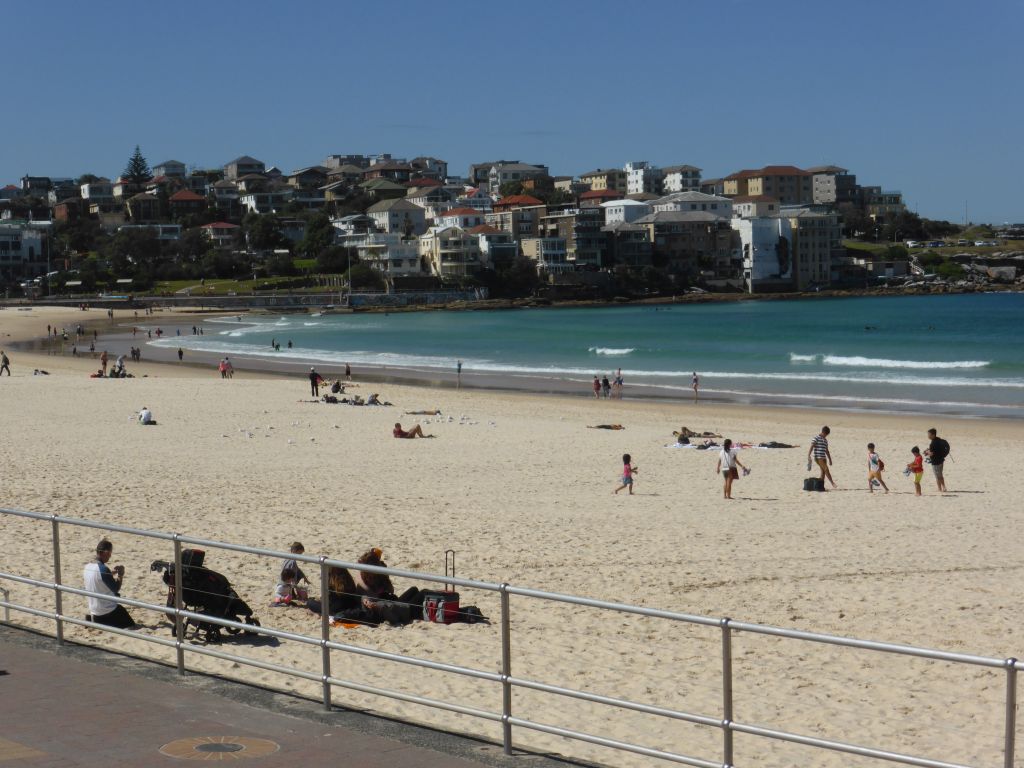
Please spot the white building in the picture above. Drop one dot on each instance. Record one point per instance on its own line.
(642, 176)
(766, 247)
(467, 218)
(387, 253)
(694, 201)
(681, 178)
(450, 251)
(398, 216)
(624, 211)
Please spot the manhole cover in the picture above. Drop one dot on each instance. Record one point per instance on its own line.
(219, 748)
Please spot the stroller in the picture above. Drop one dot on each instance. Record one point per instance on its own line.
(207, 592)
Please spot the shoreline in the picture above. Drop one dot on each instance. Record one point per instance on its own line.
(117, 338)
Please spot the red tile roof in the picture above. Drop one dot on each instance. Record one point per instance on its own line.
(460, 212)
(186, 196)
(595, 194)
(484, 229)
(10, 186)
(769, 170)
(520, 200)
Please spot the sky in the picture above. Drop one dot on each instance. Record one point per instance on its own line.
(919, 97)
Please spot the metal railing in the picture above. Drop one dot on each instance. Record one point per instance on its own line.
(724, 720)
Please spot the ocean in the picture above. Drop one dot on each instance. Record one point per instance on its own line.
(952, 354)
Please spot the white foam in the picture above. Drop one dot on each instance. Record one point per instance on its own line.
(611, 350)
(795, 358)
(874, 362)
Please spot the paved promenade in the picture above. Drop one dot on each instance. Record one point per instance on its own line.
(78, 706)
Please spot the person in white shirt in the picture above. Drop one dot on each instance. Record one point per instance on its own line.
(99, 578)
(146, 417)
(727, 464)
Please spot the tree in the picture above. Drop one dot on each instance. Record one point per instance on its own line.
(510, 188)
(335, 258)
(263, 231)
(137, 171)
(319, 236)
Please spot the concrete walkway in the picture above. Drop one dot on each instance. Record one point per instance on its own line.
(79, 706)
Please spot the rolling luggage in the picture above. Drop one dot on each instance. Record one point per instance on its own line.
(442, 607)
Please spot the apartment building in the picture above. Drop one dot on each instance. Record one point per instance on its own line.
(754, 206)
(580, 228)
(694, 201)
(613, 179)
(548, 253)
(689, 242)
(832, 185)
(643, 177)
(787, 183)
(450, 252)
(815, 239)
(681, 178)
(624, 211)
(388, 253)
(21, 251)
(502, 173)
(765, 250)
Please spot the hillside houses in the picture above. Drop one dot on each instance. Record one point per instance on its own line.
(773, 228)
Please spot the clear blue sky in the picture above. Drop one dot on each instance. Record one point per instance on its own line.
(922, 97)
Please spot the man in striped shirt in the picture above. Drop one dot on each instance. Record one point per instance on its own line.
(819, 452)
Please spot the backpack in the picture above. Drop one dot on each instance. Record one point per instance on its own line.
(944, 448)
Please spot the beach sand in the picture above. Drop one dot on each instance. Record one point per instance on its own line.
(522, 490)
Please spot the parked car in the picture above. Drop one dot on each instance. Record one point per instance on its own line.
(936, 244)
(913, 244)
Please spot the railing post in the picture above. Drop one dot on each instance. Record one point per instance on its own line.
(726, 692)
(7, 610)
(1011, 713)
(57, 594)
(506, 671)
(179, 624)
(325, 630)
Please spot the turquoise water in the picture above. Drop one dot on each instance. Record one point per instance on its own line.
(952, 354)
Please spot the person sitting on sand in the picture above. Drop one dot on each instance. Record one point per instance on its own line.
(341, 593)
(607, 426)
(288, 591)
(146, 417)
(416, 431)
(337, 387)
(435, 412)
(374, 399)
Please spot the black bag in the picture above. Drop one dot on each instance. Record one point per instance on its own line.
(814, 484)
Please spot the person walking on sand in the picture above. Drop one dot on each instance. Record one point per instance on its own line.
(695, 383)
(916, 468)
(314, 382)
(5, 363)
(938, 450)
(597, 387)
(348, 372)
(727, 465)
(103, 361)
(181, 354)
(628, 470)
(875, 468)
(820, 453)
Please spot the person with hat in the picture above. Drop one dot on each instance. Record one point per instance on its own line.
(100, 579)
(314, 382)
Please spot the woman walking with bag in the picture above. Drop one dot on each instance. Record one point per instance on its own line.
(727, 465)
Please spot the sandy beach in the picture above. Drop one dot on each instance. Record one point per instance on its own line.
(522, 490)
